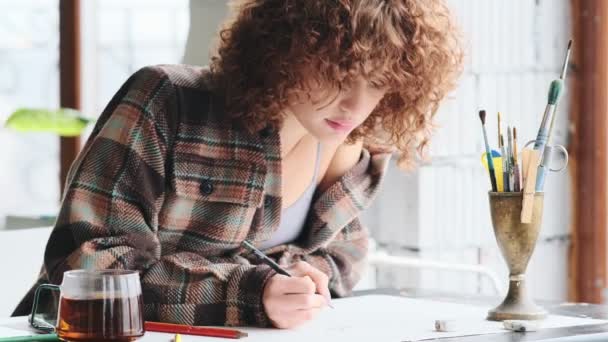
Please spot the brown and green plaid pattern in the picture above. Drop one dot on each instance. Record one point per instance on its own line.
(167, 186)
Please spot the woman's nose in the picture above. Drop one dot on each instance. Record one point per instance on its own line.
(353, 99)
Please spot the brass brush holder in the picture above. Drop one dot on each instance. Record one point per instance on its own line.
(516, 241)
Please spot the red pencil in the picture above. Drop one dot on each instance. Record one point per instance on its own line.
(193, 330)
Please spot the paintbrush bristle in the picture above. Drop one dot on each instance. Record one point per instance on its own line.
(502, 141)
(514, 133)
(569, 43)
(482, 116)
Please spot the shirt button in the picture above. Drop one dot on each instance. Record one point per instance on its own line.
(267, 201)
(206, 187)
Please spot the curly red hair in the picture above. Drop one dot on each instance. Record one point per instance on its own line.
(266, 52)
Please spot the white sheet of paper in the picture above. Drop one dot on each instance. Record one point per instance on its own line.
(390, 318)
(375, 318)
(382, 318)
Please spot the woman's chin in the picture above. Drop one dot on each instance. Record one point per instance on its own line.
(330, 137)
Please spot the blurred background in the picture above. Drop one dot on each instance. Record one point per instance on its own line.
(69, 53)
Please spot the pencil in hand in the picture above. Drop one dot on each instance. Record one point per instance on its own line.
(265, 259)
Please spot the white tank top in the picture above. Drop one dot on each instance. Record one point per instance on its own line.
(294, 217)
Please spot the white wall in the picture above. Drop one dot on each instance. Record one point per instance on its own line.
(21, 252)
(441, 210)
(205, 19)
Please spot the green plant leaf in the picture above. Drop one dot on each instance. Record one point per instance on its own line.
(65, 122)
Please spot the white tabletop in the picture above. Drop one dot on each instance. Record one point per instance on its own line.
(373, 317)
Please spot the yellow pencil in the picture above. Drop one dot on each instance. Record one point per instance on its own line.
(178, 338)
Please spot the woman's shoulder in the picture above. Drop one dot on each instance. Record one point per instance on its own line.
(178, 76)
(197, 107)
(189, 88)
(181, 75)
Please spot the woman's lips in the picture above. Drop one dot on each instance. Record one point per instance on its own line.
(340, 125)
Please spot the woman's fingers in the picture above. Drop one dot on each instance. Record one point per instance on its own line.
(295, 285)
(295, 302)
(319, 278)
(296, 318)
(291, 301)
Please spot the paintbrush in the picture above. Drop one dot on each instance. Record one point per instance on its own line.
(482, 117)
(516, 186)
(562, 77)
(544, 132)
(505, 165)
(499, 131)
(511, 159)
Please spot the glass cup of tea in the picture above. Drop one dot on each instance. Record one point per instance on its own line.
(95, 305)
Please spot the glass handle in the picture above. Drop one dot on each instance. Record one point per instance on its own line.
(40, 324)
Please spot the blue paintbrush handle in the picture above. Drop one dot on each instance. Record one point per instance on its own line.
(540, 178)
(490, 160)
(490, 163)
(544, 166)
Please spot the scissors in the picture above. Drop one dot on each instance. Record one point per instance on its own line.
(546, 162)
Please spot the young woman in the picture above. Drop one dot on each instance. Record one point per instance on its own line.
(282, 141)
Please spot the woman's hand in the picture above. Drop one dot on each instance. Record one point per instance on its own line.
(291, 301)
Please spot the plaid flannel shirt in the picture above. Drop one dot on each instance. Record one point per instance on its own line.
(167, 186)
